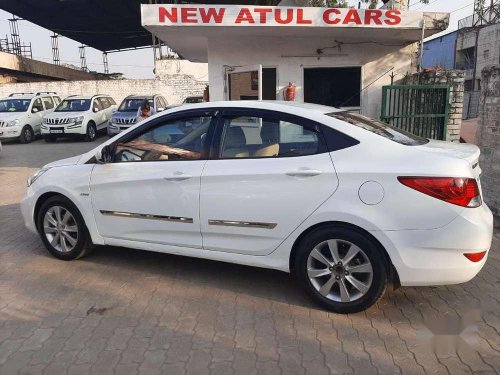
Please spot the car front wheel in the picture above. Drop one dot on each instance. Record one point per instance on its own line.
(341, 269)
(27, 134)
(62, 229)
(91, 134)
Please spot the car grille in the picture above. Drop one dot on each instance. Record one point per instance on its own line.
(57, 121)
(2, 124)
(125, 121)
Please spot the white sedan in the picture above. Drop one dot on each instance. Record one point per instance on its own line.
(345, 203)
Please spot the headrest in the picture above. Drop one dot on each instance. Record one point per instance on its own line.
(235, 137)
(269, 133)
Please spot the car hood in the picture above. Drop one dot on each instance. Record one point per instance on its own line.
(64, 114)
(64, 162)
(124, 115)
(9, 116)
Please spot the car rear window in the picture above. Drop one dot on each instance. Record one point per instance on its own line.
(379, 128)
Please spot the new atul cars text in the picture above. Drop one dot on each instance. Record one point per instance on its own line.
(344, 202)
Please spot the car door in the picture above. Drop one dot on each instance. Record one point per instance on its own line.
(269, 172)
(150, 192)
(38, 109)
(102, 118)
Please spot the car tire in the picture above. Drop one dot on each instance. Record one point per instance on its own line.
(91, 133)
(341, 269)
(27, 135)
(65, 237)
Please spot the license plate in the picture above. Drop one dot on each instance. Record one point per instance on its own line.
(56, 131)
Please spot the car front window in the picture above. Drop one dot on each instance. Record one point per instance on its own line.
(132, 105)
(14, 105)
(173, 140)
(380, 128)
(73, 105)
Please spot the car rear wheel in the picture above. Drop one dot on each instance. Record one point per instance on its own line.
(341, 269)
(91, 132)
(62, 229)
(27, 134)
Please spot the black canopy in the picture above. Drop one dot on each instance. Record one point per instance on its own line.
(102, 24)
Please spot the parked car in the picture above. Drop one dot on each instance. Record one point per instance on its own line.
(343, 202)
(193, 100)
(0, 147)
(126, 115)
(21, 114)
(79, 116)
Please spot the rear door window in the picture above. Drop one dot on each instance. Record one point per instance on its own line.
(380, 128)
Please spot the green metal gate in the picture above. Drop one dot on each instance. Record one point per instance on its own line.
(419, 109)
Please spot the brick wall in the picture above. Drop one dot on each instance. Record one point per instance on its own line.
(456, 79)
(488, 136)
(173, 87)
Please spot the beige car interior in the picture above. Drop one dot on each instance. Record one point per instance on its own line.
(237, 143)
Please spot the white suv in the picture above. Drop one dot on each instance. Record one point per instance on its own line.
(21, 114)
(79, 116)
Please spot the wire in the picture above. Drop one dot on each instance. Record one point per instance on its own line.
(456, 10)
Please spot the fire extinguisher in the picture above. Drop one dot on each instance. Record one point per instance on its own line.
(289, 92)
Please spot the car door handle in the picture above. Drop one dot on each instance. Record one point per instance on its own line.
(304, 172)
(178, 176)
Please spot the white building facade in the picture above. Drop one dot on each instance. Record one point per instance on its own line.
(333, 56)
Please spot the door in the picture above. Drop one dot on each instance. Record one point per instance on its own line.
(106, 111)
(99, 114)
(37, 112)
(244, 83)
(150, 192)
(270, 171)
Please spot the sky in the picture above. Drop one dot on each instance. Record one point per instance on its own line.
(139, 63)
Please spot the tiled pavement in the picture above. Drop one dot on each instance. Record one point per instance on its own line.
(123, 311)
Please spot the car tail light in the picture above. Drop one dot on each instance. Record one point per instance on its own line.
(475, 257)
(460, 191)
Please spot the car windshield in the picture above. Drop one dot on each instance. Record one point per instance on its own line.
(14, 105)
(73, 105)
(380, 128)
(193, 99)
(132, 105)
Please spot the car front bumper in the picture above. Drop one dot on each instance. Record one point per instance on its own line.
(11, 132)
(63, 131)
(28, 209)
(436, 256)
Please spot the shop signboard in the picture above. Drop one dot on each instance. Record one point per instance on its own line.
(267, 16)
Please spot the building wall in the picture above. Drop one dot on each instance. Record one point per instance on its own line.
(488, 137)
(440, 52)
(166, 68)
(375, 60)
(488, 47)
(174, 88)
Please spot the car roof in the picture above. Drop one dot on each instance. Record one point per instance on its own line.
(29, 95)
(277, 105)
(142, 96)
(82, 97)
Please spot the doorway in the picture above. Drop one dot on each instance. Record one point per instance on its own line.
(252, 83)
(334, 87)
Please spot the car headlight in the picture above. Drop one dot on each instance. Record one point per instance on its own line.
(36, 175)
(13, 123)
(77, 120)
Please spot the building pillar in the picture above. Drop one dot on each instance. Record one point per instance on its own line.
(488, 137)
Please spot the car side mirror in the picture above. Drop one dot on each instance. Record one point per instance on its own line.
(95, 110)
(104, 155)
(34, 110)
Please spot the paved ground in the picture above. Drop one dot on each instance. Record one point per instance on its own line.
(123, 311)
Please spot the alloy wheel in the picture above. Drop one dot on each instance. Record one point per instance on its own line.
(91, 133)
(27, 135)
(339, 270)
(60, 229)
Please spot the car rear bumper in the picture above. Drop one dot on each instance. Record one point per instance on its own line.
(436, 257)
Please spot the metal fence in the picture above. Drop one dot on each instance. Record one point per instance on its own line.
(419, 109)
